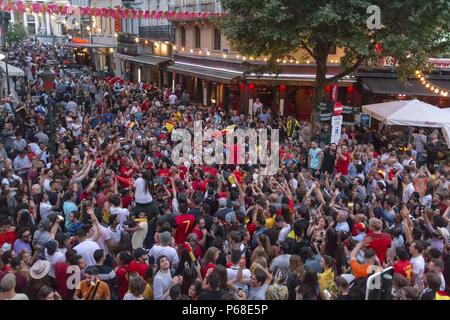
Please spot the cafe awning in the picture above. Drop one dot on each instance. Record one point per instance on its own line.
(145, 59)
(393, 86)
(203, 72)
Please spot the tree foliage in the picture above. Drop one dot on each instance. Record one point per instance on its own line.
(16, 33)
(412, 31)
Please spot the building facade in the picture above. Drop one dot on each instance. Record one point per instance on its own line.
(43, 27)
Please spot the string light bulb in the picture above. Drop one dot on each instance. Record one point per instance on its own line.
(208, 53)
(427, 85)
(137, 40)
(191, 51)
(174, 47)
(224, 56)
(238, 56)
(436, 91)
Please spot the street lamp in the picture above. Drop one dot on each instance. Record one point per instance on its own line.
(48, 77)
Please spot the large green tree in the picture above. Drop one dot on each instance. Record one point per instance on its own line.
(411, 32)
(16, 33)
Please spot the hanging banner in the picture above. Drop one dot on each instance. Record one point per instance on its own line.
(54, 9)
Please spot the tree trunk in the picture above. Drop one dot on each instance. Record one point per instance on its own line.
(321, 55)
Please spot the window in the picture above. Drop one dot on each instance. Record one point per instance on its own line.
(332, 49)
(217, 39)
(183, 36)
(198, 35)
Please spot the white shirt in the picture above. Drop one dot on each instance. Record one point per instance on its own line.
(137, 240)
(141, 195)
(284, 232)
(172, 99)
(171, 253)
(232, 273)
(45, 208)
(407, 193)
(101, 241)
(58, 256)
(418, 264)
(122, 213)
(86, 249)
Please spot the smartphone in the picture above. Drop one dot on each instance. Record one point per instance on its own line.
(327, 294)
(350, 204)
(60, 217)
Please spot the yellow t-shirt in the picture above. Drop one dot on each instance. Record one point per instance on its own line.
(148, 292)
(326, 280)
(270, 222)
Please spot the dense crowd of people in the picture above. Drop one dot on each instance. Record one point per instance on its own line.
(108, 216)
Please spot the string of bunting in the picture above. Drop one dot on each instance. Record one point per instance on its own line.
(116, 12)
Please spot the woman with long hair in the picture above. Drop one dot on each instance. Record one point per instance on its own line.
(295, 275)
(326, 278)
(209, 260)
(309, 289)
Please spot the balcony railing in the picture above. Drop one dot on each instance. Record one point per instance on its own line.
(197, 7)
(161, 33)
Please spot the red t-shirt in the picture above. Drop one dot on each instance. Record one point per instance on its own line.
(342, 165)
(404, 267)
(199, 233)
(8, 237)
(185, 225)
(61, 277)
(205, 269)
(139, 267)
(122, 280)
(380, 243)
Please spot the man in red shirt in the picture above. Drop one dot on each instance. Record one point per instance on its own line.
(381, 241)
(140, 264)
(185, 224)
(122, 272)
(343, 161)
(200, 231)
(403, 265)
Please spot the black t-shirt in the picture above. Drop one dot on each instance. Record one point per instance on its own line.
(168, 217)
(52, 197)
(328, 161)
(196, 212)
(211, 295)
